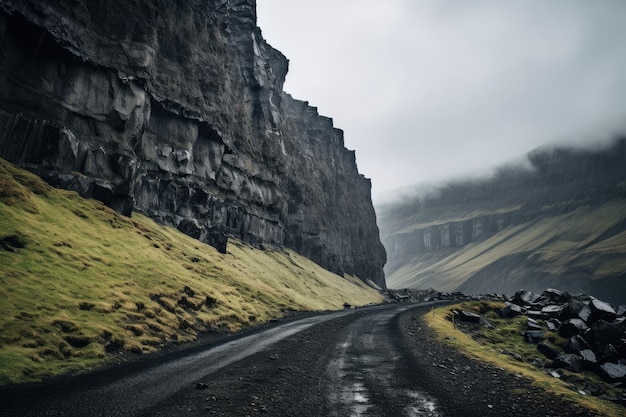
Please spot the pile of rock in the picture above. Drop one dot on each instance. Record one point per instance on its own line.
(595, 331)
(414, 295)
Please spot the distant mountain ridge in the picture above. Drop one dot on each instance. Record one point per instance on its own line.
(559, 223)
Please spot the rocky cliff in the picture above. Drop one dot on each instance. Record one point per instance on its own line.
(560, 221)
(176, 109)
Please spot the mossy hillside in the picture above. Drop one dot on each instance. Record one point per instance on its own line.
(586, 242)
(502, 344)
(79, 282)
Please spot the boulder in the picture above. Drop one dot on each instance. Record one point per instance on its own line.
(607, 353)
(547, 350)
(576, 344)
(553, 324)
(532, 324)
(572, 327)
(594, 389)
(601, 310)
(612, 371)
(585, 313)
(537, 315)
(603, 333)
(556, 296)
(589, 358)
(553, 310)
(511, 310)
(534, 336)
(569, 361)
(468, 316)
(572, 309)
(523, 297)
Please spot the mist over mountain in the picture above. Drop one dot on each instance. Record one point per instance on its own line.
(557, 218)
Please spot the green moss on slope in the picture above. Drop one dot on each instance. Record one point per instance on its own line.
(79, 282)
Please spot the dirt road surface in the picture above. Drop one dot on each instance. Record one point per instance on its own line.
(377, 361)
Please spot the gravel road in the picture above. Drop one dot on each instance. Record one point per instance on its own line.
(379, 361)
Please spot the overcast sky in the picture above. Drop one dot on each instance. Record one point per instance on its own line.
(428, 90)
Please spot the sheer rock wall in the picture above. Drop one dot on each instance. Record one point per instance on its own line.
(175, 109)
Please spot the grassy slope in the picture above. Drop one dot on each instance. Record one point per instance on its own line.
(578, 244)
(89, 282)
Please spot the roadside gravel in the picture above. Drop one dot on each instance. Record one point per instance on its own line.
(472, 388)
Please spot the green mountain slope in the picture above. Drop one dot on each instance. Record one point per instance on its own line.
(583, 251)
(79, 282)
(559, 222)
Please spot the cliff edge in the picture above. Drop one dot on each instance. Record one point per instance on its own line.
(176, 110)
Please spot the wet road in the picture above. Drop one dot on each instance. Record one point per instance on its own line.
(368, 374)
(340, 364)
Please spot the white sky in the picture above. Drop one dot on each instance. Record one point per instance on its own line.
(428, 90)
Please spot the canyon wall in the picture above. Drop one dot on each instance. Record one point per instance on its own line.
(555, 221)
(175, 109)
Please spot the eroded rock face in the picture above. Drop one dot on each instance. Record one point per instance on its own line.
(176, 109)
(322, 210)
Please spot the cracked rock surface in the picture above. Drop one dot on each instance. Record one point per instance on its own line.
(176, 110)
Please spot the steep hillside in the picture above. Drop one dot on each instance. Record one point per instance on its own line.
(79, 282)
(560, 223)
(176, 110)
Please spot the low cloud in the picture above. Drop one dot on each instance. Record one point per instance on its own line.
(431, 90)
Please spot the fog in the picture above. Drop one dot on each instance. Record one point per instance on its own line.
(426, 91)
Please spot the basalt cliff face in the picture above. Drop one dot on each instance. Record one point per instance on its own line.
(176, 109)
(559, 222)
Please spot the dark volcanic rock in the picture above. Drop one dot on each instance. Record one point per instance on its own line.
(547, 350)
(576, 344)
(532, 324)
(511, 310)
(326, 195)
(613, 371)
(522, 297)
(553, 324)
(591, 342)
(589, 358)
(601, 310)
(176, 110)
(556, 296)
(569, 361)
(572, 327)
(468, 316)
(553, 310)
(585, 313)
(572, 309)
(603, 333)
(534, 336)
(11, 243)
